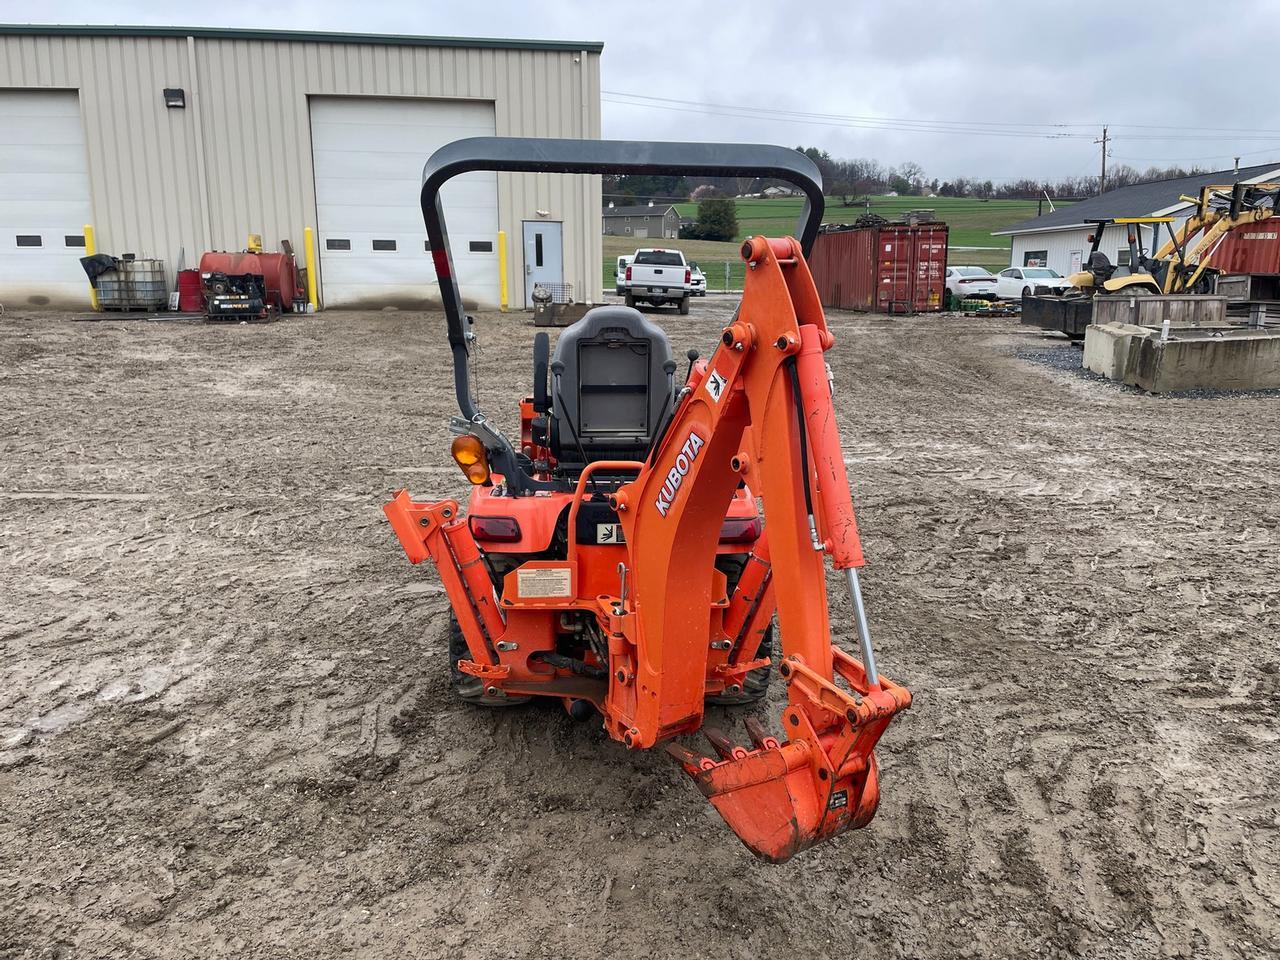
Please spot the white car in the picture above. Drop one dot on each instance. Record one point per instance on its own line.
(971, 283)
(697, 280)
(1016, 281)
(619, 276)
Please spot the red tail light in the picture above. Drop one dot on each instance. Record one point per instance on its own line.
(688, 276)
(496, 529)
(741, 530)
(628, 273)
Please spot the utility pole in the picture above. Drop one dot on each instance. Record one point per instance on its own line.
(1102, 183)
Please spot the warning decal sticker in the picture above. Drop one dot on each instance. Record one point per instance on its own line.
(536, 582)
(716, 385)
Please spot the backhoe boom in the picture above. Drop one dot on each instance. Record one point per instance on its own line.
(761, 412)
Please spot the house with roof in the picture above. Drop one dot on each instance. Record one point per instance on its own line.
(641, 221)
(1060, 239)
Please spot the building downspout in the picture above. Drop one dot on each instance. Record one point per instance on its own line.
(202, 182)
(589, 273)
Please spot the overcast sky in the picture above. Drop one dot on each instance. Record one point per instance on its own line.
(989, 90)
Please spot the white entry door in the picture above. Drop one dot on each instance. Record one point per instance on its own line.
(44, 199)
(543, 257)
(368, 154)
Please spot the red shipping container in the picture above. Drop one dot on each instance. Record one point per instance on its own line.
(889, 268)
(1253, 248)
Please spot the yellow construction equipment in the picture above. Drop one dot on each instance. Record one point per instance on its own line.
(1219, 210)
(1100, 276)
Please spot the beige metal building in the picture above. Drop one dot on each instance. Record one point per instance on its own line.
(173, 141)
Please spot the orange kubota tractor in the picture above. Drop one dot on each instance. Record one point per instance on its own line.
(613, 557)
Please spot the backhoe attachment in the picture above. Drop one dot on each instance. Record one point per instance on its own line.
(767, 395)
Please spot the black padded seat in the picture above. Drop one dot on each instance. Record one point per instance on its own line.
(613, 382)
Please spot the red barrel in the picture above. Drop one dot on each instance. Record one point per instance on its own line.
(278, 270)
(190, 299)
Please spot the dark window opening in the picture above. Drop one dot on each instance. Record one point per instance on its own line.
(337, 244)
(537, 249)
(482, 246)
(74, 240)
(384, 244)
(29, 240)
(660, 258)
(426, 245)
(1035, 258)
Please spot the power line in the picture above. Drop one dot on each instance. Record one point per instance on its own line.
(933, 127)
(1053, 131)
(1216, 156)
(1181, 127)
(837, 116)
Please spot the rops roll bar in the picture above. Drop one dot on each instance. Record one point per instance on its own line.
(536, 155)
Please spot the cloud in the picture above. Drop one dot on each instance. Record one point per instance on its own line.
(1022, 90)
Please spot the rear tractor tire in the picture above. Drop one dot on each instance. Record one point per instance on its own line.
(756, 683)
(467, 688)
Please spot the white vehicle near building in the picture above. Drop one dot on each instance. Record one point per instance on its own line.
(697, 280)
(658, 277)
(620, 276)
(970, 283)
(1015, 281)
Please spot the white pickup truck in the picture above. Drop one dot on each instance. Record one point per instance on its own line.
(658, 277)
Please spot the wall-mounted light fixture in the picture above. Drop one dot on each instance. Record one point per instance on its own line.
(175, 97)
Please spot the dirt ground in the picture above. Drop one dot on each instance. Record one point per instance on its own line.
(225, 729)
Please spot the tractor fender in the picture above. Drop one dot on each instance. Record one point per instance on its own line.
(537, 517)
(1132, 284)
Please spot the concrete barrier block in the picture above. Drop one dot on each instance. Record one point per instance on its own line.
(1230, 359)
(1109, 349)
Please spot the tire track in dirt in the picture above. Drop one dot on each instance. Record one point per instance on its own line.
(259, 754)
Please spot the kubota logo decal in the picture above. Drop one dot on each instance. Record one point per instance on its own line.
(675, 476)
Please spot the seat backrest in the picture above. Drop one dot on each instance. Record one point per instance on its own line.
(613, 380)
(1100, 265)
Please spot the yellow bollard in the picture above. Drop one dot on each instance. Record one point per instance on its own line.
(309, 249)
(502, 271)
(90, 248)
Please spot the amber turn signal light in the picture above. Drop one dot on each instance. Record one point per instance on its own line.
(469, 454)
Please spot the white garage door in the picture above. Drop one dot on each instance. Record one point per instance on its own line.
(44, 199)
(369, 155)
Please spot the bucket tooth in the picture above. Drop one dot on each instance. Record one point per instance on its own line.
(760, 737)
(722, 745)
(693, 763)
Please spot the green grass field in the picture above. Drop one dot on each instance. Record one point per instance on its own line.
(970, 223)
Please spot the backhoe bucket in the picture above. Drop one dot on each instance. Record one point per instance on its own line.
(781, 798)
